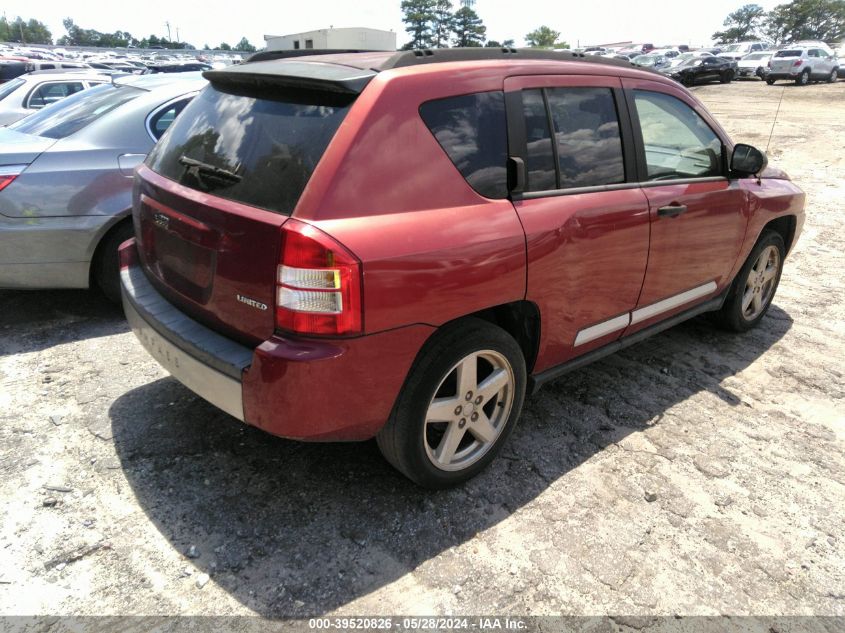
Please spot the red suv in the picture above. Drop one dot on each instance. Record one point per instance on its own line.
(402, 245)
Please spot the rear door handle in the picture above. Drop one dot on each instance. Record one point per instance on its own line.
(672, 210)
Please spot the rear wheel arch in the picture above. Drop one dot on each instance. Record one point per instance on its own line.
(520, 319)
(100, 266)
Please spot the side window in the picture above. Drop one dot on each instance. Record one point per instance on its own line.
(812, 53)
(161, 120)
(46, 94)
(589, 147)
(472, 130)
(586, 149)
(540, 159)
(678, 143)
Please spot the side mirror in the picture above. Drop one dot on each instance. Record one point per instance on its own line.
(747, 160)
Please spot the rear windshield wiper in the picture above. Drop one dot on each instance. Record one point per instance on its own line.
(204, 169)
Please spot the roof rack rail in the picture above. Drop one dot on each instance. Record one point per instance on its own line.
(440, 55)
(302, 52)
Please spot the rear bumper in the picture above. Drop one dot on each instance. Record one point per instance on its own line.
(202, 360)
(306, 389)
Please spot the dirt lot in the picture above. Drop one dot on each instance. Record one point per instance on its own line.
(121, 490)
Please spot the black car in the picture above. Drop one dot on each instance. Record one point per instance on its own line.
(703, 69)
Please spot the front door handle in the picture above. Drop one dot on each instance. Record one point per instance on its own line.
(672, 210)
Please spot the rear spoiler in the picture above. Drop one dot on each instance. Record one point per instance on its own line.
(289, 74)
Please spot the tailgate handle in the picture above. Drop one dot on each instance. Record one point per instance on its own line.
(672, 210)
(180, 224)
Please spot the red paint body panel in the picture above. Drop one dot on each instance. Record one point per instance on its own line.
(329, 390)
(452, 262)
(587, 259)
(698, 246)
(212, 250)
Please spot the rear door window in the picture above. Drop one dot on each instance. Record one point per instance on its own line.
(472, 130)
(256, 150)
(163, 118)
(46, 94)
(586, 147)
(589, 146)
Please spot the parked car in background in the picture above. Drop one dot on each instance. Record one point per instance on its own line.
(324, 276)
(703, 69)
(26, 94)
(11, 67)
(669, 53)
(655, 62)
(802, 65)
(754, 65)
(178, 67)
(35, 66)
(680, 59)
(66, 180)
(739, 50)
(840, 60)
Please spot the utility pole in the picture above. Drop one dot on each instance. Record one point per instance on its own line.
(177, 34)
(167, 24)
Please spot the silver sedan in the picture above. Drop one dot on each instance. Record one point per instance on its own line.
(66, 180)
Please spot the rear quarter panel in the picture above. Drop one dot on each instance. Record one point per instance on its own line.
(432, 248)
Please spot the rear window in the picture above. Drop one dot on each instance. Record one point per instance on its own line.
(70, 115)
(257, 151)
(788, 54)
(472, 130)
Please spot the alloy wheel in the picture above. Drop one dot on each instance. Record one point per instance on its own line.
(469, 410)
(760, 283)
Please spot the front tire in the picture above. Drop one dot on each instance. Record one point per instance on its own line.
(754, 287)
(725, 77)
(458, 406)
(832, 76)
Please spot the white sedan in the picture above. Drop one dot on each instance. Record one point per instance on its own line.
(24, 95)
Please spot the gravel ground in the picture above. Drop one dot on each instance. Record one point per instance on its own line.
(698, 473)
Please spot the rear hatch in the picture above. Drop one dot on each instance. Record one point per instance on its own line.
(214, 192)
(782, 61)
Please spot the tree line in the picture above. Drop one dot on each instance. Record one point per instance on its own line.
(822, 20)
(35, 32)
(435, 24)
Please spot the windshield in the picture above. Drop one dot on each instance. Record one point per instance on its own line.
(733, 47)
(647, 60)
(788, 54)
(692, 61)
(754, 56)
(70, 115)
(9, 87)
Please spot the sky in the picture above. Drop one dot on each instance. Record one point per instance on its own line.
(214, 21)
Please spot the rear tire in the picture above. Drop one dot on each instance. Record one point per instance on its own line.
(804, 78)
(106, 263)
(458, 406)
(770, 81)
(755, 285)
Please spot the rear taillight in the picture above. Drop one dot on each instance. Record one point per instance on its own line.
(318, 284)
(770, 63)
(796, 63)
(8, 173)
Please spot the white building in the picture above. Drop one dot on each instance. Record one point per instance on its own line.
(357, 38)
